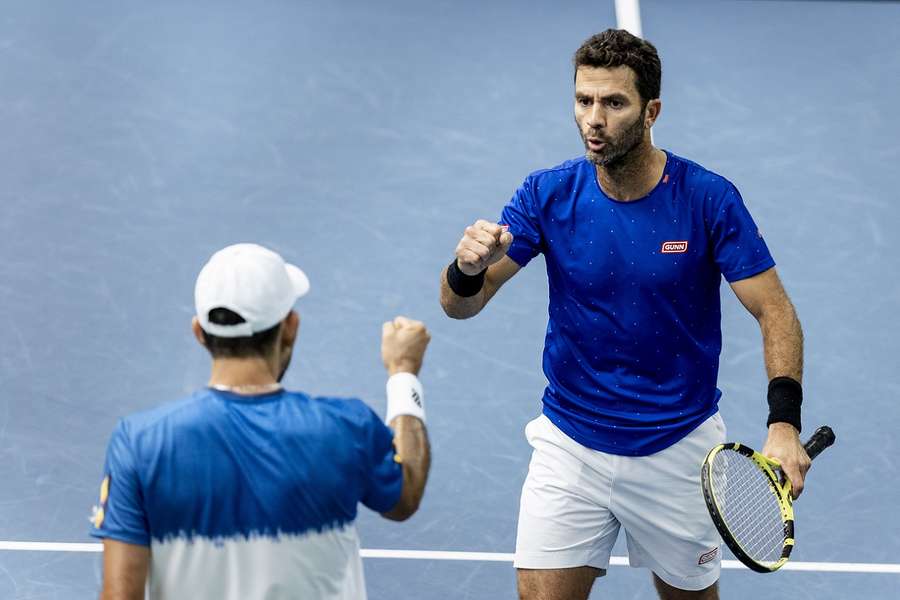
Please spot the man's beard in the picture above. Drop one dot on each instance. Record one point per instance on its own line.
(616, 150)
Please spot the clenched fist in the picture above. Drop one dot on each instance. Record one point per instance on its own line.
(403, 343)
(482, 244)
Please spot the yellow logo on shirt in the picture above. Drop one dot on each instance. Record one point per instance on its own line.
(99, 512)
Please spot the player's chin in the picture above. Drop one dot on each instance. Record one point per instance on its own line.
(596, 157)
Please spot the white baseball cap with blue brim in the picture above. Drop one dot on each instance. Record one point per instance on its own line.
(251, 281)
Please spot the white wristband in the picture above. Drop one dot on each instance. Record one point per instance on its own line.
(404, 397)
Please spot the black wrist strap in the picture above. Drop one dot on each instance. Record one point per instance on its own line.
(785, 398)
(462, 284)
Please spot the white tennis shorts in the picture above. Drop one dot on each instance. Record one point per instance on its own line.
(575, 500)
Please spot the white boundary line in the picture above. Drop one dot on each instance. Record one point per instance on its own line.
(50, 547)
(628, 16)
(615, 561)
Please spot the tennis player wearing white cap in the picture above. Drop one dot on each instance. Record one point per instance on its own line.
(245, 490)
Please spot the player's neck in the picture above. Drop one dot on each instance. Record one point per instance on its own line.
(635, 175)
(242, 373)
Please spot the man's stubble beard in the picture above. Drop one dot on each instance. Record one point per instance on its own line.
(616, 153)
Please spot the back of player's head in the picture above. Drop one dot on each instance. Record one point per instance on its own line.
(615, 48)
(242, 296)
(259, 344)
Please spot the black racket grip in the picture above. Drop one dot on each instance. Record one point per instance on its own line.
(821, 439)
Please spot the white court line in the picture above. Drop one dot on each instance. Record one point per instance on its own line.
(622, 561)
(50, 547)
(628, 16)
(616, 561)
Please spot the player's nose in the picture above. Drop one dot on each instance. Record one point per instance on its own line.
(596, 118)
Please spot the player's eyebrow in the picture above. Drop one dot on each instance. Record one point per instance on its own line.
(610, 96)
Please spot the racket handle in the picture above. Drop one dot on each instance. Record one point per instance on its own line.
(821, 439)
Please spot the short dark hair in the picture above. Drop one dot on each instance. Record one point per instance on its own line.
(260, 343)
(617, 47)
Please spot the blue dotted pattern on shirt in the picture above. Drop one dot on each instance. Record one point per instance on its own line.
(634, 334)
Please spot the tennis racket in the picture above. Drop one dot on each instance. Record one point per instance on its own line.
(749, 504)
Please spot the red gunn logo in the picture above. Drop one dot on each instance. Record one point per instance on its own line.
(674, 247)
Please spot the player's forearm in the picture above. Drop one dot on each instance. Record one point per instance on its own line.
(459, 307)
(414, 454)
(782, 340)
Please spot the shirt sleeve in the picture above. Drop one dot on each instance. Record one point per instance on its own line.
(738, 246)
(522, 217)
(384, 475)
(120, 513)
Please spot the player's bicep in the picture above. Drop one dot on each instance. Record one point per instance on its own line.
(760, 291)
(522, 216)
(120, 513)
(414, 455)
(736, 242)
(408, 501)
(383, 474)
(125, 568)
(385, 485)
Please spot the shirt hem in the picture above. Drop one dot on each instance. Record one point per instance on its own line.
(750, 271)
(520, 256)
(380, 507)
(644, 450)
(121, 537)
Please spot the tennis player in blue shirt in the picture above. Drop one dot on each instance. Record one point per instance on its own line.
(245, 490)
(636, 241)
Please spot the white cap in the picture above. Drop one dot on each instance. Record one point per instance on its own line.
(253, 282)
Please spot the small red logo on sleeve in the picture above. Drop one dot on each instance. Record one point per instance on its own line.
(674, 247)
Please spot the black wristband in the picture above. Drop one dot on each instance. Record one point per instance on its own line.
(462, 284)
(785, 398)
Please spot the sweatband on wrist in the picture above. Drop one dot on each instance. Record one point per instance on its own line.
(462, 284)
(785, 398)
(405, 397)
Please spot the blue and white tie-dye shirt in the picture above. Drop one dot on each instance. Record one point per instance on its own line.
(243, 497)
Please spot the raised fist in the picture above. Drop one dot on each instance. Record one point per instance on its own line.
(482, 244)
(403, 343)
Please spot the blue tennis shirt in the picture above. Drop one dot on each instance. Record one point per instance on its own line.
(248, 496)
(632, 348)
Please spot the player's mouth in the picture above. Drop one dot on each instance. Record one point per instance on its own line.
(595, 144)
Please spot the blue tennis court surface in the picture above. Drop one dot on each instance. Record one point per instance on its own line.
(359, 139)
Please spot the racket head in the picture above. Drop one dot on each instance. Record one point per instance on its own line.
(749, 506)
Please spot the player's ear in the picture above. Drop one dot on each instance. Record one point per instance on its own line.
(654, 107)
(289, 328)
(198, 331)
